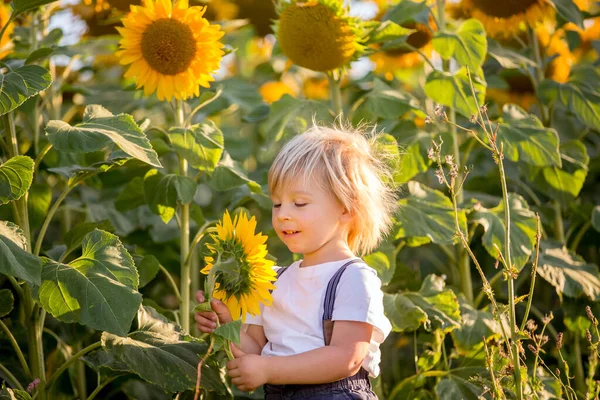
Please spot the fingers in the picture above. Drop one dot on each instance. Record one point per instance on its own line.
(221, 310)
(205, 322)
(236, 351)
(200, 296)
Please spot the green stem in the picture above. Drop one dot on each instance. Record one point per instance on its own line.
(40, 156)
(558, 222)
(579, 374)
(11, 377)
(103, 385)
(51, 212)
(15, 345)
(171, 282)
(579, 236)
(533, 271)
(36, 352)
(539, 74)
(184, 242)
(510, 280)
(79, 372)
(335, 93)
(70, 361)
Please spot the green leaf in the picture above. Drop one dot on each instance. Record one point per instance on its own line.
(39, 54)
(7, 302)
(508, 58)
(407, 10)
(76, 173)
(455, 387)
(203, 307)
(476, 326)
(20, 6)
(427, 213)
(164, 192)
(14, 259)
(132, 195)
(413, 143)
(383, 261)
(522, 229)
(229, 174)
(98, 289)
(75, 236)
(258, 113)
(13, 394)
(388, 31)
(98, 129)
(201, 145)
(295, 115)
(384, 102)
(230, 331)
(455, 90)
(38, 204)
(161, 353)
(526, 139)
(403, 313)
(148, 267)
(562, 184)
(16, 176)
(596, 218)
(468, 45)
(568, 272)
(241, 93)
(21, 84)
(569, 11)
(577, 98)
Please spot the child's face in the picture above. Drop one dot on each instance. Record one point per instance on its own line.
(310, 221)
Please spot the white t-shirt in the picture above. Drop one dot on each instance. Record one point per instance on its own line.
(293, 324)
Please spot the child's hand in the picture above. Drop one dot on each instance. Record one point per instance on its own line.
(247, 371)
(207, 321)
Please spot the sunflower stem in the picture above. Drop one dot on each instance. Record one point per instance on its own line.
(335, 93)
(184, 228)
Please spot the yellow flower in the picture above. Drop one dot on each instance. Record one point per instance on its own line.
(243, 277)
(260, 13)
(273, 90)
(318, 34)
(556, 46)
(316, 88)
(172, 49)
(520, 91)
(6, 44)
(505, 19)
(390, 61)
(221, 10)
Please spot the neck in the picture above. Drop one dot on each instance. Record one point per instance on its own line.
(316, 259)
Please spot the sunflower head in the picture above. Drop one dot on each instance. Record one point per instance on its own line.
(519, 90)
(5, 42)
(318, 34)
(171, 48)
(273, 90)
(506, 19)
(237, 268)
(260, 13)
(316, 88)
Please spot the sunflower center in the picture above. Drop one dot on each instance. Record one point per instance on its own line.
(168, 46)
(504, 9)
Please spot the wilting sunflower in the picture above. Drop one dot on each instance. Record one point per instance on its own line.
(505, 19)
(172, 49)
(6, 44)
(242, 274)
(390, 61)
(273, 90)
(318, 34)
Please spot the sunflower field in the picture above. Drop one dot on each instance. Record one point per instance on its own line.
(136, 136)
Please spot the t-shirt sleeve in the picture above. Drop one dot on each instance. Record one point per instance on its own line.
(359, 298)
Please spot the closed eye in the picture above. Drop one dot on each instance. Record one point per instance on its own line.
(276, 205)
(300, 204)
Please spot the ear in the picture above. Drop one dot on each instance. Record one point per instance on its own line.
(346, 216)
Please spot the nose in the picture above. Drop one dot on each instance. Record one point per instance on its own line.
(283, 213)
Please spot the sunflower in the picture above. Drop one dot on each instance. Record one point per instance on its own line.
(389, 61)
(505, 19)
(316, 88)
(220, 10)
(172, 49)
(556, 47)
(273, 90)
(318, 34)
(519, 90)
(243, 276)
(6, 44)
(260, 13)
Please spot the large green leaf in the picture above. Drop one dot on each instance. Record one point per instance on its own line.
(569, 11)
(576, 97)
(7, 302)
(39, 200)
(433, 306)
(427, 213)
(20, 6)
(454, 90)
(383, 260)
(164, 192)
(14, 259)
(508, 58)
(568, 272)
(229, 174)
(407, 10)
(413, 143)
(147, 266)
(455, 387)
(98, 289)
(201, 145)
(76, 173)
(75, 236)
(384, 102)
(387, 31)
(526, 139)
(230, 331)
(163, 354)
(476, 326)
(562, 184)
(16, 176)
(21, 84)
(98, 129)
(467, 45)
(132, 195)
(522, 229)
(295, 115)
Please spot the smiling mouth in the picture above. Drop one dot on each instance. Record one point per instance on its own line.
(289, 232)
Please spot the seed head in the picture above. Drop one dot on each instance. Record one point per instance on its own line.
(588, 336)
(559, 341)
(532, 349)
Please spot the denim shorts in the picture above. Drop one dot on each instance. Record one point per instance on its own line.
(356, 387)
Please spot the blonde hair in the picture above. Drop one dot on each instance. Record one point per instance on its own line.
(351, 166)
